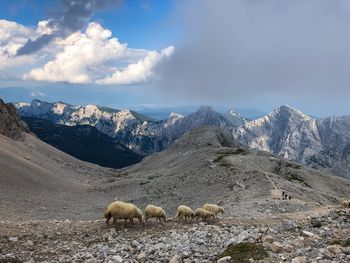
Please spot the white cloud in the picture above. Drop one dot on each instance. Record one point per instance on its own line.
(81, 55)
(93, 56)
(45, 28)
(140, 71)
(12, 37)
(37, 94)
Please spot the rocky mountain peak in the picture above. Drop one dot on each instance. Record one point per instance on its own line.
(287, 111)
(205, 109)
(234, 117)
(11, 124)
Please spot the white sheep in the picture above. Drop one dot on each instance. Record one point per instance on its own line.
(154, 211)
(203, 214)
(184, 212)
(122, 210)
(214, 208)
(346, 203)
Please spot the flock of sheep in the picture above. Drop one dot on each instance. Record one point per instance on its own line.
(128, 211)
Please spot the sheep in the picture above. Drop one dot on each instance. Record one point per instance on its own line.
(184, 212)
(203, 214)
(214, 208)
(122, 210)
(154, 211)
(346, 203)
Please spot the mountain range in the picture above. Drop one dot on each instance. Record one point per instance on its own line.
(139, 133)
(285, 132)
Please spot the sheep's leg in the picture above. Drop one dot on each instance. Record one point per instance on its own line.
(140, 220)
(108, 218)
(177, 217)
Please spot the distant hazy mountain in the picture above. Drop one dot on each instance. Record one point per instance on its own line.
(163, 113)
(84, 142)
(138, 132)
(287, 132)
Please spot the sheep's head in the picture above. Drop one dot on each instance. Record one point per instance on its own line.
(221, 210)
(107, 215)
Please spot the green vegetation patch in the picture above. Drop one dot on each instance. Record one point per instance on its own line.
(346, 242)
(293, 165)
(295, 178)
(343, 243)
(242, 252)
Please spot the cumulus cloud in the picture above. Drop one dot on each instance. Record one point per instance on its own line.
(140, 71)
(68, 16)
(81, 55)
(12, 37)
(94, 57)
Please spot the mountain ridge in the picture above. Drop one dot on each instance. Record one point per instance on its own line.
(137, 132)
(286, 132)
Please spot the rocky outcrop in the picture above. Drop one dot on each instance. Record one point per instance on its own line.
(11, 124)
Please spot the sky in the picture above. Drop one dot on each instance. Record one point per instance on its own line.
(162, 53)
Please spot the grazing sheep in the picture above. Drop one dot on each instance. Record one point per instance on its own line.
(346, 203)
(154, 211)
(121, 210)
(184, 212)
(203, 214)
(214, 208)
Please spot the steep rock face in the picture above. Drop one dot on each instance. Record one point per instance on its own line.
(289, 133)
(11, 124)
(335, 138)
(285, 132)
(137, 132)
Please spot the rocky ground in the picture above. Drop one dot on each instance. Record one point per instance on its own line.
(321, 235)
